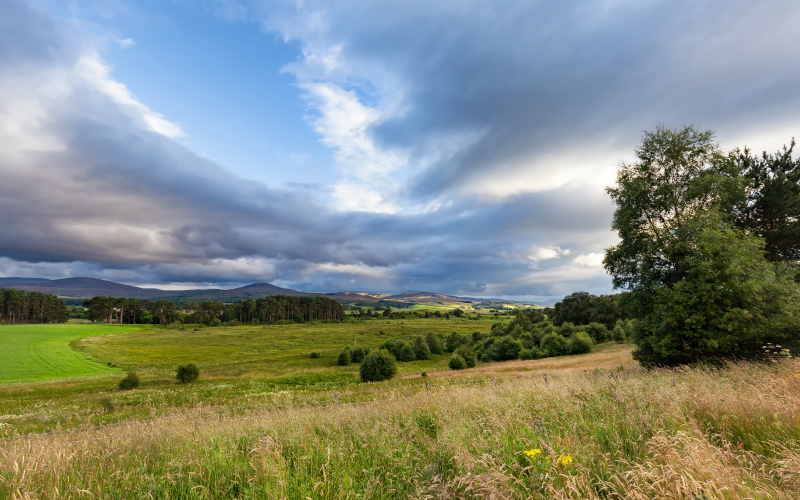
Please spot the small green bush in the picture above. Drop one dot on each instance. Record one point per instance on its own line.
(216, 322)
(597, 331)
(187, 373)
(553, 344)
(580, 343)
(532, 353)
(457, 362)
(378, 365)
(505, 348)
(131, 381)
(618, 333)
(468, 354)
(421, 349)
(406, 353)
(344, 358)
(314, 355)
(358, 353)
(434, 344)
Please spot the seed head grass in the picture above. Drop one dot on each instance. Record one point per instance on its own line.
(668, 434)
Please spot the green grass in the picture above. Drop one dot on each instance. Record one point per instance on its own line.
(641, 436)
(43, 352)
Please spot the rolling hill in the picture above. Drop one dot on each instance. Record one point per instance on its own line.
(84, 288)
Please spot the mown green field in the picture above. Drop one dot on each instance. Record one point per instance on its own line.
(43, 352)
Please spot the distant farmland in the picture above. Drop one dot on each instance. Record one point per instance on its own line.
(42, 352)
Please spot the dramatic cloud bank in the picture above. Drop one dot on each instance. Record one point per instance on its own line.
(472, 142)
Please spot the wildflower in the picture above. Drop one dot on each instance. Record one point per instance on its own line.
(564, 459)
(533, 453)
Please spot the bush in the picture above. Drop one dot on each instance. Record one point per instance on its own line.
(532, 353)
(421, 349)
(131, 381)
(434, 344)
(344, 358)
(188, 373)
(505, 348)
(454, 340)
(553, 344)
(406, 353)
(597, 331)
(216, 322)
(377, 366)
(466, 352)
(618, 334)
(314, 355)
(580, 343)
(358, 353)
(457, 362)
(567, 329)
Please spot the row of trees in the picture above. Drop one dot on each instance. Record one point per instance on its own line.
(583, 308)
(18, 306)
(269, 310)
(709, 248)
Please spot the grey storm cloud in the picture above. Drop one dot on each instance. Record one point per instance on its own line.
(532, 102)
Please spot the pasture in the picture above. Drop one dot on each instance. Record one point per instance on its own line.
(244, 365)
(43, 352)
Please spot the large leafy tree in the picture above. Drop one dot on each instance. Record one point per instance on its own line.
(772, 207)
(676, 175)
(699, 288)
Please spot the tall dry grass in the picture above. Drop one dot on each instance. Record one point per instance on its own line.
(729, 434)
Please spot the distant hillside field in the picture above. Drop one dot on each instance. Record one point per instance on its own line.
(43, 352)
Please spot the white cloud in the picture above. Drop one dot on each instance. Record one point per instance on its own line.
(126, 43)
(97, 74)
(537, 253)
(589, 260)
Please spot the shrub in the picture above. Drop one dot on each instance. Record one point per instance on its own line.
(434, 344)
(358, 353)
(377, 366)
(468, 354)
(216, 322)
(454, 340)
(618, 333)
(314, 355)
(421, 349)
(457, 362)
(406, 353)
(131, 381)
(532, 353)
(553, 344)
(567, 329)
(580, 343)
(597, 331)
(344, 358)
(187, 373)
(505, 348)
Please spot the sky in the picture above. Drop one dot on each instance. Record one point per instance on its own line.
(459, 147)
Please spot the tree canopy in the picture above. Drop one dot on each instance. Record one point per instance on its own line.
(691, 254)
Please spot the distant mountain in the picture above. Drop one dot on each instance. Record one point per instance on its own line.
(84, 288)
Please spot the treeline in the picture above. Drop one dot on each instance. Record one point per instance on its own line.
(19, 307)
(269, 310)
(530, 335)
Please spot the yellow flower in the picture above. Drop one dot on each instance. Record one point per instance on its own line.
(533, 453)
(564, 459)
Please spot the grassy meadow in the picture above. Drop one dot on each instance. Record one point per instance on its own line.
(43, 352)
(263, 422)
(728, 434)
